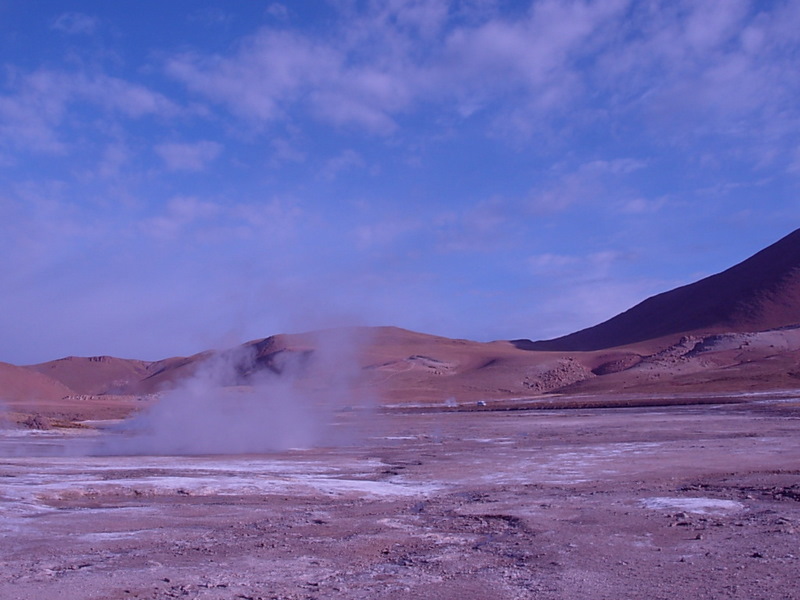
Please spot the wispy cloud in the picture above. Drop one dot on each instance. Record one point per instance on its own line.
(180, 213)
(264, 225)
(269, 70)
(351, 79)
(38, 105)
(592, 182)
(75, 23)
(188, 156)
(699, 69)
(561, 63)
(278, 11)
(596, 265)
(642, 206)
(347, 159)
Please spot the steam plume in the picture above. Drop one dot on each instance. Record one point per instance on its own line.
(245, 400)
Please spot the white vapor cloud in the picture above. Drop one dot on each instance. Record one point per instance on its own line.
(250, 400)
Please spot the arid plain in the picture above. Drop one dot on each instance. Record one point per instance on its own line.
(701, 501)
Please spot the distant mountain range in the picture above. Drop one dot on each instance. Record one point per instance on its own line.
(738, 330)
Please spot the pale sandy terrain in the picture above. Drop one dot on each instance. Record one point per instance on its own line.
(694, 502)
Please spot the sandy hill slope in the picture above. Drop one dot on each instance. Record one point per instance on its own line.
(760, 293)
(19, 383)
(94, 374)
(397, 368)
(410, 367)
(387, 363)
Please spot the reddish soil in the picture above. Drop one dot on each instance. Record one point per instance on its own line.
(24, 384)
(690, 502)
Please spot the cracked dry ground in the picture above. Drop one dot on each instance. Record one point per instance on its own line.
(696, 502)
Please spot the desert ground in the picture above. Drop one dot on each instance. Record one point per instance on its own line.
(697, 501)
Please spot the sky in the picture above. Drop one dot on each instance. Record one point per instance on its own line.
(184, 175)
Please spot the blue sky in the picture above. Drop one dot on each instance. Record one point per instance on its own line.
(182, 175)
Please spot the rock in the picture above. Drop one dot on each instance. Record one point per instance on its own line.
(37, 421)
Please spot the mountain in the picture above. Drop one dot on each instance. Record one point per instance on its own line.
(93, 374)
(760, 293)
(394, 364)
(18, 383)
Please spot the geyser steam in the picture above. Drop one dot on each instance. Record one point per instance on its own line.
(247, 400)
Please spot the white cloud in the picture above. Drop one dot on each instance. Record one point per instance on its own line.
(270, 69)
(40, 102)
(617, 166)
(114, 157)
(180, 213)
(188, 156)
(710, 69)
(29, 115)
(794, 166)
(275, 71)
(482, 227)
(592, 182)
(278, 11)
(286, 150)
(425, 18)
(549, 263)
(130, 99)
(383, 235)
(346, 160)
(265, 225)
(277, 219)
(211, 16)
(561, 65)
(75, 23)
(593, 266)
(375, 69)
(642, 206)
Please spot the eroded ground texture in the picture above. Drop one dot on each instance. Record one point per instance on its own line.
(682, 502)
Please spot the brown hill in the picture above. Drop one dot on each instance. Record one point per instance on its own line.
(94, 374)
(760, 293)
(387, 363)
(403, 369)
(409, 367)
(19, 383)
